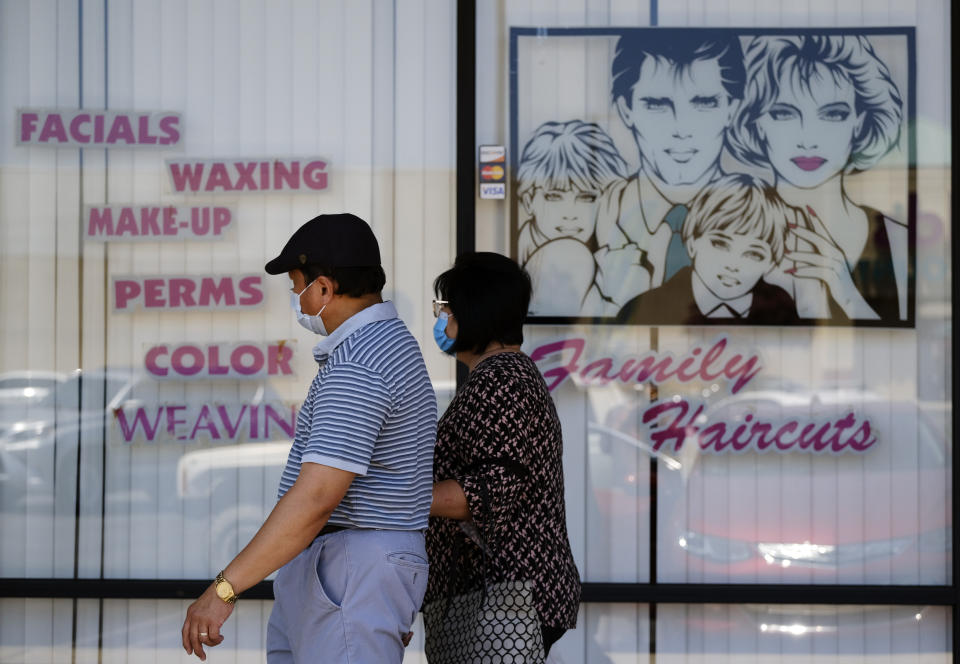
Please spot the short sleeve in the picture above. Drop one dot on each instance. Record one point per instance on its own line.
(349, 411)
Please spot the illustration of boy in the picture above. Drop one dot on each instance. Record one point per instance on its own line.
(735, 234)
(563, 169)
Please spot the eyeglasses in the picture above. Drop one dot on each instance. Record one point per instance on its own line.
(438, 306)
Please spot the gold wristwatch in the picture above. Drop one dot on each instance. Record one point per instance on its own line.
(224, 589)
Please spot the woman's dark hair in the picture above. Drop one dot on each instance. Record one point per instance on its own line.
(489, 295)
(351, 281)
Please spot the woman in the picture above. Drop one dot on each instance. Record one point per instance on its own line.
(498, 510)
(815, 109)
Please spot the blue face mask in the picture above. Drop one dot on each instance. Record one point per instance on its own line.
(440, 334)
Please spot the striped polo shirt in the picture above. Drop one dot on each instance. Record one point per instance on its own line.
(371, 410)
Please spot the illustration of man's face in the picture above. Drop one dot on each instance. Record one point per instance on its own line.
(564, 212)
(729, 264)
(678, 119)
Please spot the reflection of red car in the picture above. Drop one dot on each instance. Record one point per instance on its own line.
(619, 465)
(881, 516)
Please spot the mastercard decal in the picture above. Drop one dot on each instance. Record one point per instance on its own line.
(491, 173)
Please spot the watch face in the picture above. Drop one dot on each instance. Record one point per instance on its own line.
(223, 590)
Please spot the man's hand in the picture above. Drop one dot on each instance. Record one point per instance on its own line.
(294, 522)
(205, 617)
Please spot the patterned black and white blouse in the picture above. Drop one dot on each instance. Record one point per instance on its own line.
(500, 439)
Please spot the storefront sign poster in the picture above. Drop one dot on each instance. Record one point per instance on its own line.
(684, 420)
(98, 128)
(492, 171)
(214, 176)
(206, 422)
(220, 361)
(112, 223)
(186, 292)
(725, 176)
(493, 190)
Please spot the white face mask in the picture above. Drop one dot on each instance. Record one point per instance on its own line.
(312, 323)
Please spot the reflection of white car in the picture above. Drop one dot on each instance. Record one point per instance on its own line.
(19, 389)
(82, 404)
(226, 489)
(55, 413)
(200, 472)
(217, 475)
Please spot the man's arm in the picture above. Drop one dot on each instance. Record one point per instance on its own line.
(294, 522)
(292, 525)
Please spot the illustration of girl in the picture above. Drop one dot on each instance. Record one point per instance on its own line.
(563, 169)
(815, 109)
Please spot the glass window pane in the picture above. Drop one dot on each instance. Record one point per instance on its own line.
(742, 447)
(605, 633)
(133, 630)
(150, 371)
(815, 633)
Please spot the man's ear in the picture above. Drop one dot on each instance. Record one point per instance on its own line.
(690, 250)
(623, 110)
(326, 286)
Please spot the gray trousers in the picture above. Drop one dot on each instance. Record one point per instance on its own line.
(348, 598)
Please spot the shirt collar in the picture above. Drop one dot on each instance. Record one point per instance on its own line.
(653, 205)
(707, 302)
(372, 314)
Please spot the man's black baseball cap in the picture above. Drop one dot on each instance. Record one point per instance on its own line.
(329, 240)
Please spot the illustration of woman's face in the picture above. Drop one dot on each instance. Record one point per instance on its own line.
(809, 130)
(565, 212)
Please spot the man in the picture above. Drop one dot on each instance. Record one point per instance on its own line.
(353, 502)
(675, 90)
